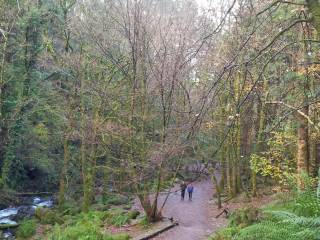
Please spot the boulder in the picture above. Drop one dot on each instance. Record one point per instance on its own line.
(24, 212)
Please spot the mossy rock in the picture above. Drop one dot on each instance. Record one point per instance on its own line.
(133, 214)
(26, 229)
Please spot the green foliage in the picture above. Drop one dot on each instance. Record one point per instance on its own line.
(245, 217)
(81, 231)
(225, 234)
(26, 229)
(121, 236)
(294, 220)
(118, 217)
(144, 222)
(277, 163)
(117, 200)
(120, 220)
(70, 208)
(48, 216)
(277, 231)
(99, 207)
(87, 227)
(307, 204)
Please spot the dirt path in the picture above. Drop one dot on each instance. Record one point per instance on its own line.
(195, 217)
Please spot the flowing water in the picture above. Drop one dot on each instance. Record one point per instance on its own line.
(7, 215)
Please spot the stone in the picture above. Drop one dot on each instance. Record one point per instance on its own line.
(24, 212)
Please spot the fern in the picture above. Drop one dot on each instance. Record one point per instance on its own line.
(302, 223)
(277, 231)
(283, 225)
(288, 217)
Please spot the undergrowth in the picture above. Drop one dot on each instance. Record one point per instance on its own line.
(296, 219)
(89, 226)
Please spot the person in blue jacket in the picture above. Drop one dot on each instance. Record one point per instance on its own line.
(190, 190)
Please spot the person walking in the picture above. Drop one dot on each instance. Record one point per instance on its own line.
(190, 190)
(183, 187)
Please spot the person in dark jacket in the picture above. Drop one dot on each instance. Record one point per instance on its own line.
(183, 187)
(190, 190)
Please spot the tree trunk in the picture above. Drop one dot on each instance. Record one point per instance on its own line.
(218, 189)
(314, 9)
(152, 214)
(64, 171)
(222, 168)
(238, 153)
(229, 168)
(302, 144)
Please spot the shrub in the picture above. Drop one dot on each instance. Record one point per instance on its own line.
(47, 216)
(26, 229)
(120, 220)
(144, 222)
(70, 208)
(245, 217)
(307, 204)
(83, 231)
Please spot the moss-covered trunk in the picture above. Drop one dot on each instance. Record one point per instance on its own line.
(314, 9)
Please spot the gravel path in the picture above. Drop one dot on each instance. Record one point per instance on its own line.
(194, 217)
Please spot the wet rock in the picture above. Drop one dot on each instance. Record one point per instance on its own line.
(36, 200)
(24, 212)
(8, 235)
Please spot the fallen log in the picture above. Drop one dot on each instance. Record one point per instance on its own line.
(30, 194)
(9, 225)
(226, 211)
(160, 229)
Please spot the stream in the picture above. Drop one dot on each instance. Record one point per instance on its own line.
(10, 216)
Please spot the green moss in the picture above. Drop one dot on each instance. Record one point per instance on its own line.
(120, 236)
(26, 229)
(314, 8)
(133, 214)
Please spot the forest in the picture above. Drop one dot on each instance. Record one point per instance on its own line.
(112, 110)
